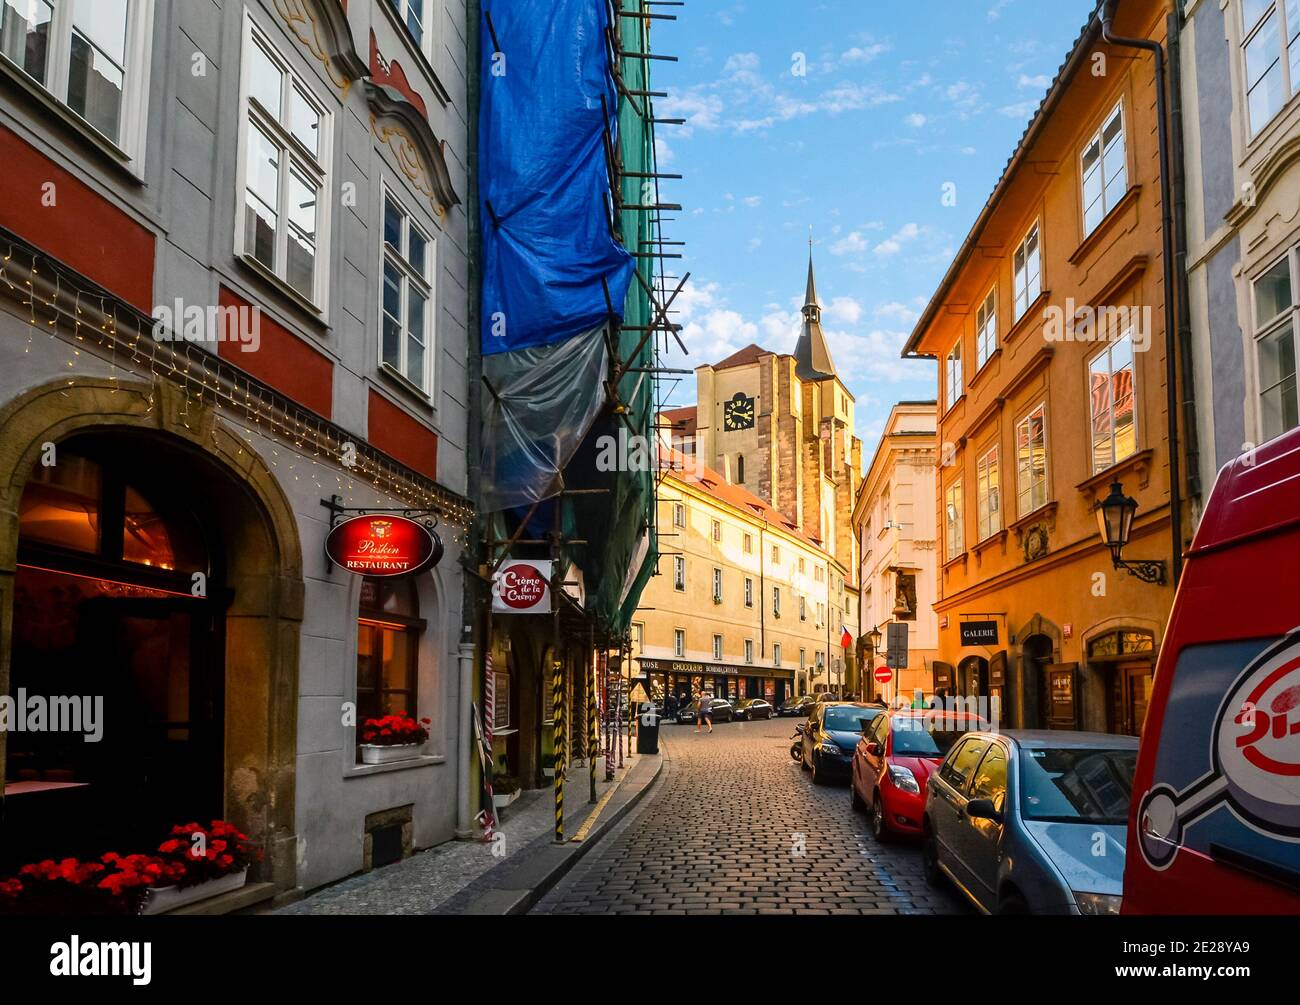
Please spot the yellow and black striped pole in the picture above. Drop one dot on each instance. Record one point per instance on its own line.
(593, 740)
(557, 701)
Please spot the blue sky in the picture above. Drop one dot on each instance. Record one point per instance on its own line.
(898, 99)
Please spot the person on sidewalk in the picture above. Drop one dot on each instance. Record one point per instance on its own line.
(702, 717)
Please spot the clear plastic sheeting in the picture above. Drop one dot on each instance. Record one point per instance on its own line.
(542, 403)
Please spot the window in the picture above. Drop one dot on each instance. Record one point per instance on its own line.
(1105, 170)
(679, 642)
(717, 530)
(1028, 272)
(638, 633)
(749, 650)
(776, 601)
(408, 297)
(991, 778)
(1271, 30)
(90, 55)
(717, 586)
(1277, 324)
(802, 568)
(740, 469)
(776, 553)
(803, 608)
(748, 542)
(679, 572)
(1114, 428)
(388, 643)
(679, 515)
(952, 520)
(986, 329)
(776, 654)
(952, 374)
(1031, 461)
(803, 659)
(283, 172)
(821, 613)
(988, 494)
(717, 647)
(961, 762)
(749, 592)
(411, 14)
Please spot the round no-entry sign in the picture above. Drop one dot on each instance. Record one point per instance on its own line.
(883, 675)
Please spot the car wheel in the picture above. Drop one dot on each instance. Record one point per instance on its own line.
(1012, 903)
(817, 776)
(879, 829)
(930, 858)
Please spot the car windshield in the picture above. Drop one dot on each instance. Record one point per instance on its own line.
(848, 718)
(921, 738)
(1075, 785)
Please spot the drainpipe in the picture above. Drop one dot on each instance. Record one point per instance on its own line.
(474, 640)
(1107, 14)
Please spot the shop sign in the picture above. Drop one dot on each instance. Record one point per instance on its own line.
(998, 670)
(383, 546)
(522, 587)
(978, 633)
(942, 676)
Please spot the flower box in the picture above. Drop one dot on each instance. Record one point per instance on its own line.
(501, 801)
(162, 899)
(372, 753)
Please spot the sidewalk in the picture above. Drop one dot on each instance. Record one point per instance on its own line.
(505, 877)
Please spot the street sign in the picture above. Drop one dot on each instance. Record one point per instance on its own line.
(978, 633)
(883, 675)
(897, 655)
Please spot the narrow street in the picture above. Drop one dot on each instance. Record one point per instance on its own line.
(734, 826)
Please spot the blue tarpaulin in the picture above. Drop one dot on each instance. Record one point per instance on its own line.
(543, 174)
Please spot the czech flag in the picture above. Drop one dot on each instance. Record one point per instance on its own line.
(846, 640)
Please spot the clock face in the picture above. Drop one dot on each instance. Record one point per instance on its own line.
(738, 413)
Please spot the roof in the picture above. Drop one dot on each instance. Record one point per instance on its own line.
(710, 482)
(1079, 53)
(683, 420)
(750, 354)
(1257, 495)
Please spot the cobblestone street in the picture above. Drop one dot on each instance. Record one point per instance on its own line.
(720, 834)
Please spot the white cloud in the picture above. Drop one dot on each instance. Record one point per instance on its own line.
(916, 120)
(851, 244)
(864, 53)
(753, 201)
(895, 311)
(1020, 110)
(1040, 81)
(893, 244)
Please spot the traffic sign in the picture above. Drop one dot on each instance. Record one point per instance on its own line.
(883, 675)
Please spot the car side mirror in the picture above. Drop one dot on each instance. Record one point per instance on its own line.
(799, 728)
(873, 748)
(983, 809)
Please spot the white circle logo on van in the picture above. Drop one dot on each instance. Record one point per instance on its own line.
(1256, 761)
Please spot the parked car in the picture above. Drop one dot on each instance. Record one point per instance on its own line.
(1032, 822)
(720, 710)
(831, 735)
(893, 761)
(800, 706)
(1216, 810)
(752, 708)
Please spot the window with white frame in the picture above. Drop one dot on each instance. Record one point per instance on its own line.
(90, 55)
(803, 608)
(802, 567)
(679, 642)
(776, 654)
(1105, 170)
(952, 521)
(776, 553)
(1027, 271)
(1113, 404)
(717, 647)
(1271, 52)
(411, 14)
(988, 494)
(679, 572)
(749, 650)
(986, 329)
(803, 659)
(283, 171)
(1031, 461)
(749, 592)
(1277, 330)
(952, 375)
(679, 515)
(717, 530)
(717, 586)
(776, 601)
(406, 345)
(749, 544)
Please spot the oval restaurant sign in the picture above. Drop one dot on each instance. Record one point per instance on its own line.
(383, 545)
(522, 587)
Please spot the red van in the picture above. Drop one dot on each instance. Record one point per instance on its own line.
(1215, 825)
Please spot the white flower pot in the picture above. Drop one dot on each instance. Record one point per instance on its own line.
(372, 753)
(167, 898)
(502, 801)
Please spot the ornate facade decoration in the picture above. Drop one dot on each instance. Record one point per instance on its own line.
(322, 26)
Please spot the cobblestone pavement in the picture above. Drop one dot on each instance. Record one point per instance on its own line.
(719, 833)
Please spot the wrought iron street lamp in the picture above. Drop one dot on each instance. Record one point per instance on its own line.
(1115, 521)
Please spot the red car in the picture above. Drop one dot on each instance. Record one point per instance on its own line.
(893, 761)
(1215, 824)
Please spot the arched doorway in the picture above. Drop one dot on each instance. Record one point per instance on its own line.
(973, 677)
(232, 684)
(1035, 657)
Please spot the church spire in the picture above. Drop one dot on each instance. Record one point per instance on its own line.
(812, 357)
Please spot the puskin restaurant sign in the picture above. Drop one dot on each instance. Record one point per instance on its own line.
(383, 546)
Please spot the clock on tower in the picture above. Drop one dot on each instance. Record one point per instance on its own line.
(738, 413)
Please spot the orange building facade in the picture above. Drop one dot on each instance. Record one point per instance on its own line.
(1050, 337)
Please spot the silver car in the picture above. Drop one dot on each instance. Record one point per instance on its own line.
(1032, 821)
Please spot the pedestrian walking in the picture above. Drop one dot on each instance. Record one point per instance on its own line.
(702, 717)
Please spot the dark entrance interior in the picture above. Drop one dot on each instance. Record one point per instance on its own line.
(119, 614)
(1036, 654)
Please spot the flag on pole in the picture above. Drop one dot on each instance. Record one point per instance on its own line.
(846, 638)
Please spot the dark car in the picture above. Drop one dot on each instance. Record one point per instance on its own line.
(752, 708)
(800, 706)
(831, 736)
(720, 710)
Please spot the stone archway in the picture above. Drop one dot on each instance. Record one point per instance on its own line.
(263, 568)
(1038, 646)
